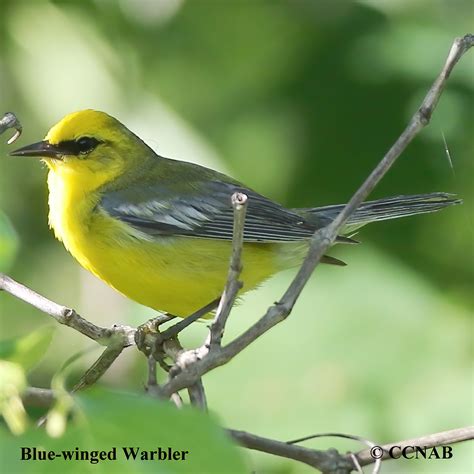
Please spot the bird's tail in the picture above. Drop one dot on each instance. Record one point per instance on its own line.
(387, 208)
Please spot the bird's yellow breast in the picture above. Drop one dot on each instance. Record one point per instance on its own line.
(173, 274)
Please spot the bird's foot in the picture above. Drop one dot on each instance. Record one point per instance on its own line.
(149, 339)
(146, 333)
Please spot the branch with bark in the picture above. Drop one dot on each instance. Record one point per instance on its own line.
(190, 365)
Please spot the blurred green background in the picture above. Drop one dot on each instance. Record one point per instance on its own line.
(299, 100)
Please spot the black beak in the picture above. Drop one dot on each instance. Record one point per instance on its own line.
(42, 149)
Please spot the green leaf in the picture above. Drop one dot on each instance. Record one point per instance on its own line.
(28, 350)
(12, 383)
(112, 421)
(8, 243)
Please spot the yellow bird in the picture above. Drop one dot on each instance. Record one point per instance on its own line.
(159, 230)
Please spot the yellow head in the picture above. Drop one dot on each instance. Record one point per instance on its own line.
(89, 146)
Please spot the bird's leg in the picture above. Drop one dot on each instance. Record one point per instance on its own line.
(188, 320)
(173, 331)
(149, 339)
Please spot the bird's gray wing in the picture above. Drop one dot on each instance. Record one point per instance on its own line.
(205, 211)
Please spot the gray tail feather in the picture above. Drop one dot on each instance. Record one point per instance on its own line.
(388, 208)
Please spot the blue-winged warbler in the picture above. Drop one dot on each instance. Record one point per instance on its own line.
(159, 230)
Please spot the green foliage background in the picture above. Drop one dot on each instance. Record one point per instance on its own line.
(298, 99)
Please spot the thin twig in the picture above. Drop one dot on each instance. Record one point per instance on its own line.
(101, 365)
(325, 461)
(62, 314)
(350, 456)
(152, 387)
(172, 347)
(444, 438)
(330, 461)
(191, 365)
(115, 339)
(177, 400)
(325, 237)
(197, 395)
(233, 285)
(9, 120)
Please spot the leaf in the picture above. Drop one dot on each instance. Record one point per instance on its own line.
(28, 350)
(12, 383)
(57, 417)
(111, 421)
(8, 243)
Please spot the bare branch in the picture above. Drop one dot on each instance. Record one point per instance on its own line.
(324, 238)
(191, 365)
(177, 400)
(197, 395)
(102, 364)
(233, 285)
(63, 315)
(325, 461)
(115, 339)
(331, 461)
(328, 461)
(9, 120)
(152, 386)
(444, 438)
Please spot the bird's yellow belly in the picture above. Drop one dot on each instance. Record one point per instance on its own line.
(178, 275)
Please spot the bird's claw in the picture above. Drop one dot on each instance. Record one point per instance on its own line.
(148, 338)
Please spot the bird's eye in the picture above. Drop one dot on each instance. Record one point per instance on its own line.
(86, 144)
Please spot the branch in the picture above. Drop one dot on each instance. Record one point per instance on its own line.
(325, 237)
(325, 461)
(197, 395)
(102, 364)
(9, 120)
(233, 285)
(331, 461)
(152, 387)
(444, 438)
(62, 314)
(191, 365)
(115, 339)
(173, 348)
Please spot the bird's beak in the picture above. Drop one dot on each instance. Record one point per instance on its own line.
(42, 149)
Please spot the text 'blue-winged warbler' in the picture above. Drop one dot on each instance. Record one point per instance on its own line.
(159, 230)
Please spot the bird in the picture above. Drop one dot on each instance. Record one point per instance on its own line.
(159, 230)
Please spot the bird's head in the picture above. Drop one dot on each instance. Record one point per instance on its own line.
(88, 146)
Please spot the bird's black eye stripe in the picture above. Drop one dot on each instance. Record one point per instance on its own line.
(87, 144)
(80, 146)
